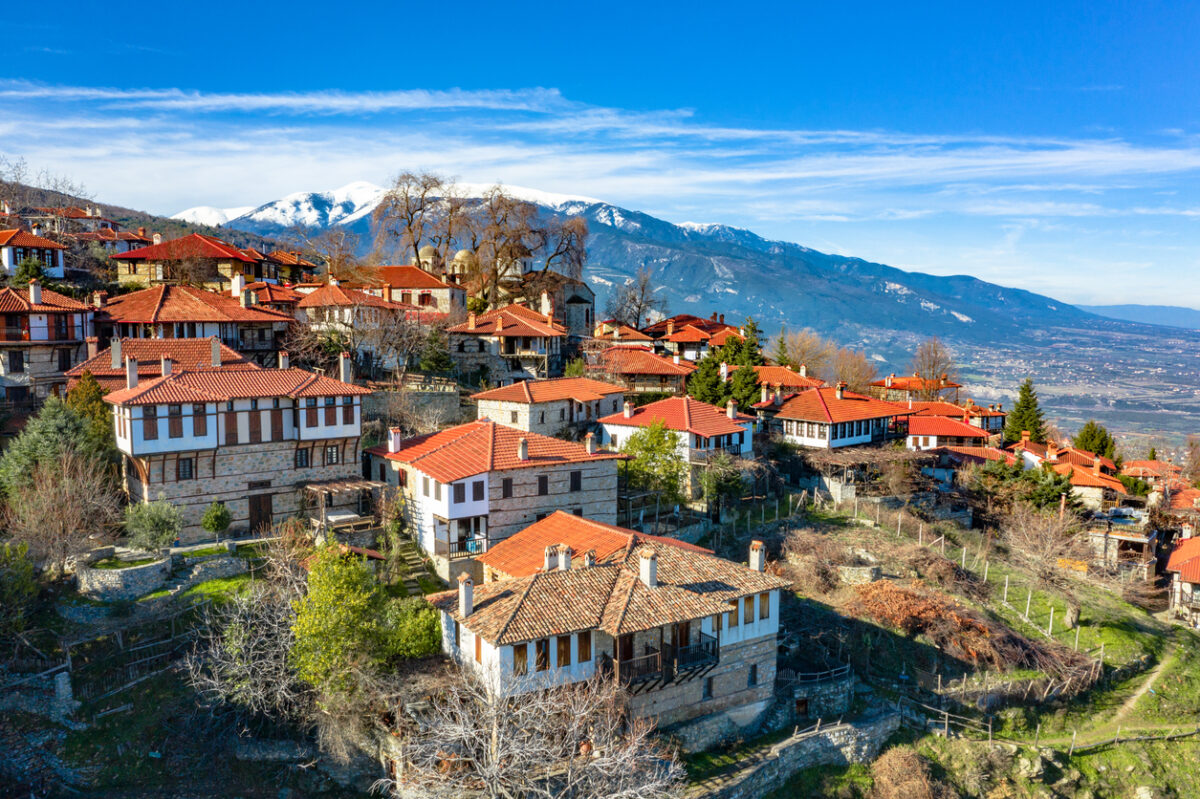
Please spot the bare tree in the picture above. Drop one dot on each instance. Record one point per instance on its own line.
(1044, 543)
(379, 338)
(932, 362)
(808, 348)
(409, 211)
(69, 506)
(633, 303)
(505, 231)
(25, 189)
(336, 247)
(1191, 459)
(577, 740)
(852, 368)
(566, 245)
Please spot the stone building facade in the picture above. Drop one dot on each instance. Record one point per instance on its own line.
(550, 407)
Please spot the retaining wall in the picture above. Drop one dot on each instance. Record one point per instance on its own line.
(108, 585)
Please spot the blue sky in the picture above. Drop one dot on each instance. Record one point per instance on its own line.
(1048, 146)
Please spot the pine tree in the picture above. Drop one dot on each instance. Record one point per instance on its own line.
(435, 355)
(1095, 438)
(751, 348)
(28, 270)
(780, 354)
(1026, 415)
(705, 383)
(743, 387)
(1152, 455)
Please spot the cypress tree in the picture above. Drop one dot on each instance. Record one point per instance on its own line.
(751, 354)
(1026, 415)
(1153, 455)
(705, 383)
(780, 353)
(743, 387)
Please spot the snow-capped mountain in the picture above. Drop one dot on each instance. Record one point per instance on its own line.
(713, 267)
(213, 217)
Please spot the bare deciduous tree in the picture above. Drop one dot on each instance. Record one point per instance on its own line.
(852, 368)
(336, 247)
(566, 245)
(932, 362)
(410, 211)
(577, 740)
(69, 506)
(633, 303)
(808, 348)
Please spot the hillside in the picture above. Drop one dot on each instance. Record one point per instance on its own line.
(1168, 315)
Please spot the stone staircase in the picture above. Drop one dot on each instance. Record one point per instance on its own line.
(412, 559)
(190, 572)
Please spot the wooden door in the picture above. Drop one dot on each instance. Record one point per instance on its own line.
(682, 634)
(260, 512)
(625, 647)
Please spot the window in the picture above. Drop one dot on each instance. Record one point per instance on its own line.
(332, 454)
(613, 441)
(731, 618)
(506, 488)
(585, 646)
(562, 414)
(310, 412)
(477, 491)
(330, 411)
(576, 481)
(543, 485)
(520, 659)
(512, 417)
(457, 634)
(460, 493)
(348, 410)
(752, 680)
(708, 685)
(437, 491)
(425, 486)
(150, 423)
(199, 421)
(541, 417)
(764, 605)
(564, 651)
(64, 360)
(255, 419)
(748, 615)
(174, 421)
(614, 410)
(542, 655)
(184, 469)
(478, 648)
(16, 361)
(301, 459)
(254, 403)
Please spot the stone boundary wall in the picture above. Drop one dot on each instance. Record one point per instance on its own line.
(108, 585)
(213, 568)
(857, 575)
(842, 744)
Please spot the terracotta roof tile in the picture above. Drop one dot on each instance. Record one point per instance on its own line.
(941, 408)
(822, 405)
(17, 301)
(914, 383)
(403, 277)
(23, 238)
(290, 258)
(580, 389)
(220, 385)
(641, 361)
(682, 414)
(193, 245)
(1085, 478)
(978, 454)
(615, 331)
(1185, 559)
(688, 335)
(943, 426)
(186, 304)
(514, 320)
(187, 354)
(331, 295)
(781, 377)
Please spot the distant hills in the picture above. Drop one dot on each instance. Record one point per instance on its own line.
(1169, 315)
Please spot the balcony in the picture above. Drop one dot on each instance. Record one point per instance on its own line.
(705, 455)
(698, 655)
(14, 334)
(462, 548)
(668, 662)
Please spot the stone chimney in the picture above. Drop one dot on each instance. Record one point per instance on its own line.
(628, 413)
(1024, 436)
(523, 449)
(670, 327)
(499, 325)
(114, 348)
(589, 442)
(93, 347)
(395, 439)
(345, 368)
(804, 370)
(840, 390)
(648, 567)
(333, 281)
(616, 334)
(676, 359)
(547, 307)
(142, 232)
(758, 556)
(549, 558)
(237, 285)
(564, 558)
(35, 292)
(887, 381)
(721, 319)
(766, 394)
(99, 299)
(131, 376)
(471, 321)
(466, 595)
(724, 371)
(589, 558)
(778, 397)
(285, 360)
(165, 363)
(214, 352)
(1096, 465)
(36, 228)
(157, 238)
(731, 408)
(1051, 452)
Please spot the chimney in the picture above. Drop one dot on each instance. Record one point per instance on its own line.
(214, 352)
(99, 299)
(157, 238)
(1051, 452)
(840, 390)
(1095, 466)
(131, 375)
(142, 232)
(616, 333)
(758, 556)
(589, 558)
(589, 441)
(237, 285)
(778, 397)
(721, 319)
(345, 369)
(547, 307)
(887, 381)
(648, 567)
(114, 347)
(564, 558)
(766, 395)
(36, 228)
(466, 595)
(395, 441)
(724, 372)
(471, 321)
(731, 408)
(35, 292)
(804, 370)
(499, 325)
(670, 327)
(1024, 436)
(93, 347)
(676, 359)
(285, 360)
(549, 558)
(333, 281)
(165, 362)
(523, 449)
(714, 316)
(628, 409)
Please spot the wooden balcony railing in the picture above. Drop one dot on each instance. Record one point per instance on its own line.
(463, 548)
(693, 656)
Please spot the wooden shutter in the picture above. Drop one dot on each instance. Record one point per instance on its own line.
(255, 427)
(199, 421)
(231, 428)
(585, 646)
(175, 425)
(310, 414)
(348, 414)
(277, 425)
(520, 659)
(330, 414)
(564, 651)
(149, 425)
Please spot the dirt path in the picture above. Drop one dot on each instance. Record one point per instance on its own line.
(1146, 685)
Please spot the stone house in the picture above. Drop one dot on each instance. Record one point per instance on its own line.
(185, 354)
(469, 487)
(412, 285)
(269, 443)
(1095, 489)
(508, 344)
(113, 240)
(830, 418)
(549, 406)
(572, 302)
(641, 371)
(701, 431)
(902, 388)
(292, 267)
(931, 432)
(618, 334)
(779, 379)
(1183, 566)
(692, 637)
(195, 258)
(990, 418)
(356, 316)
(18, 245)
(42, 338)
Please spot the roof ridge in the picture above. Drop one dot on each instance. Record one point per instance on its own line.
(528, 393)
(517, 607)
(162, 295)
(473, 427)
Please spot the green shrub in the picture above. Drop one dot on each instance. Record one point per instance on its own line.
(413, 628)
(216, 519)
(152, 525)
(18, 588)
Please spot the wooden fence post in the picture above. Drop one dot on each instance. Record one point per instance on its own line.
(1006, 589)
(964, 559)
(1050, 627)
(1037, 735)
(899, 519)
(943, 545)
(856, 506)
(921, 533)
(1072, 750)
(986, 565)
(1028, 599)
(946, 724)
(1076, 636)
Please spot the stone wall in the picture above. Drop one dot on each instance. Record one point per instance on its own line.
(442, 405)
(857, 575)
(824, 700)
(108, 585)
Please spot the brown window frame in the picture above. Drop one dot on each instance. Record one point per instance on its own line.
(585, 647)
(150, 423)
(199, 420)
(348, 412)
(563, 646)
(541, 654)
(310, 415)
(179, 469)
(478, 648)
(276, 424)
(764, 605)
(330, 413)
(520, 659)
(733, 617)
(255, 432)
(543, 485)
(576, 481)
(231, 428)
(748, 609)
(174, 421)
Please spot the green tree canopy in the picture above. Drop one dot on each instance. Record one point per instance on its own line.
(414, 628)
(28, 270)
(780, 354)
(744, 388)
(751, 354)
(152, 525)
(705, 383)
(1026, 415)
(656, 464)
(1152, 455)
(1095, 438)
(87, 400)
(575, 368)
(216, 518)
(18, 588)
(435, 355)
(54, 430)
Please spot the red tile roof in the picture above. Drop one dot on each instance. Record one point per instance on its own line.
(1086, 478)
(977, 454)
(221, 385)
(1185, 498)
(514, 320)
(711, 326)
(187, 354)
(193, 245)
(68, 212)
(682, 414)
(943, 426)
(689, 334)
(914, 383)
(721, 337)
(580, 389)
(1185, 559)
(274, 293)
(1081, 457)
(186, 304)
(483, 446)
(523, 554)
(402, 277)
(288, 258)
(641, 361)
(942, 408)
(822, 405)
(1159, 469)
(108, 234)
(619, 332)
(330, 295)
(17, 301)
(782, 377)
(23, 238)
